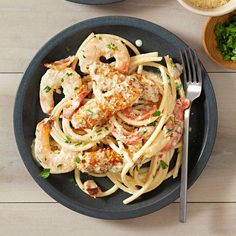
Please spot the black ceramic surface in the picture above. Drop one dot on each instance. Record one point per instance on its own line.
(95, 2)
(28, 112)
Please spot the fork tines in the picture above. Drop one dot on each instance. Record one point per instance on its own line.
(191, 65)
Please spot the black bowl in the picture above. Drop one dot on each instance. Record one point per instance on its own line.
(95, 2)
(28, 112)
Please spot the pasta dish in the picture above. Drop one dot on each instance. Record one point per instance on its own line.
(120, 117)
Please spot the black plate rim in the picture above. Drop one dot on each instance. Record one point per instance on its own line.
(64, 200)
(95, 2)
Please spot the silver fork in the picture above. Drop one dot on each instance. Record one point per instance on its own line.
(193, 88)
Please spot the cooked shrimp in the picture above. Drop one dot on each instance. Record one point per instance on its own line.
(174, 69)
(151, 91)
(91, 188)
(105, 76)
(76, 102)
(98, 112)
(133, 148)
(101, 161)
(181, 105)
(52, 81)
(102, 46)
(59, 160)
(140, 112)
(175, 131)
(61, 64)
(134, 136)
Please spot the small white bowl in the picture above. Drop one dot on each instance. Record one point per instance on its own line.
(218, 11)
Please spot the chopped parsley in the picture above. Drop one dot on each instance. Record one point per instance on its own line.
(112, 46)
(99, 131)
(69, 74)
(62, 80)
(77, 144)
(179, 86)
(163, 164)
(67, 49)
(143, 133)
(168, 130)
(76, 88)
(68, 139)
(71, 180)
(100, 38)
(77, 160)
(47, 89)
(156, 113)
(90, 111)
(152, 124)
(59, 165)
(225, 38)
(84, 56)
(44, 173)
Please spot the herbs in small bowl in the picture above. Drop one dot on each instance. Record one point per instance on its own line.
(226, 38)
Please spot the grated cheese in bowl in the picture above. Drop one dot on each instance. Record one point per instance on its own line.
(208, 4)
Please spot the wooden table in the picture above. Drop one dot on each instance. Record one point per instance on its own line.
(24, 207)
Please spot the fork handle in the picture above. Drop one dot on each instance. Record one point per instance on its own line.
(184, 169)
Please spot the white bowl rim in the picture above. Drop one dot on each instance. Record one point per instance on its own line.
(222, 10)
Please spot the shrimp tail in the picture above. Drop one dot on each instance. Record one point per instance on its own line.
(61, 64)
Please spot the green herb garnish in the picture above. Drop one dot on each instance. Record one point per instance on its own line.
(68, 139)
(152, 124)
(77, 144)
(67, 49)
(226, 38)
(163, 164)
(112, 46)
(77, 160)
(47, 89)
(69, 74)
(156, 113)
(44, 173)
(179, 86)
(168, 131)
(59, 165)
(62, 80)
(71, 180)
(143, 133)
(90, 111)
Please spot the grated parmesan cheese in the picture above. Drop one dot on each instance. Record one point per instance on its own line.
(207, 4)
